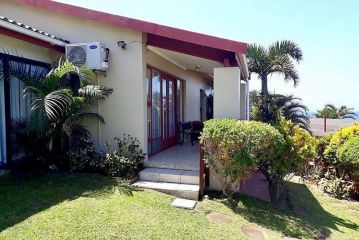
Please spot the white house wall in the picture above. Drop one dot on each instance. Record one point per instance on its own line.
(124, 112)
(24, 49)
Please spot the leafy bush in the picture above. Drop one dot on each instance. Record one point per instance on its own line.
(323, 143)
(231, 148)
(299, 147)
(339, 138)
(337, 188)
(84, 157)
(348, 152)
(348, 155)
(123, 158)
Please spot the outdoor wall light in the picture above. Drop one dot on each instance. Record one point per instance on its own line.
(122, 44)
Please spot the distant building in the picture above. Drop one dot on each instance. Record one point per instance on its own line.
(317, 125)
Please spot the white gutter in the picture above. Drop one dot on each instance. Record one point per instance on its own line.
(32, 34)
(241, 58)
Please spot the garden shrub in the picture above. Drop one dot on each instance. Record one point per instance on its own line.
(337, 188)
(232, 148)
(123, 157)
(299, 147)
(84, 157)
(348, 155)
(339, 138)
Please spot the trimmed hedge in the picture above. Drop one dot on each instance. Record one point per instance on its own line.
(232, 148)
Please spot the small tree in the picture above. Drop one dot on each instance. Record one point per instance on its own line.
(60, 102)
(299, 148)
(231, 149)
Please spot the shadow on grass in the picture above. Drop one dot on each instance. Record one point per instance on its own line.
(305, 219)
(22, 198)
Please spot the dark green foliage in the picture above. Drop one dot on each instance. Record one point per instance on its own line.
(337, 188)
(123, 157)
(289, 107)
(60, 102)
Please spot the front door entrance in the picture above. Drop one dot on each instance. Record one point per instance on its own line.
(169, 120)
(164, 110)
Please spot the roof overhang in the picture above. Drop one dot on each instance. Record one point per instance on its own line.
(31, 38)
(142, 26)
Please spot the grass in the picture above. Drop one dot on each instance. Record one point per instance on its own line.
(96, 207)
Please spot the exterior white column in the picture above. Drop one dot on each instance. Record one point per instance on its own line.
(227, 90)
(243, 101)
(247, 100)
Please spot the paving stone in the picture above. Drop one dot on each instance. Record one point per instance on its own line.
(184, 203)
(218, 217)
(253, 233)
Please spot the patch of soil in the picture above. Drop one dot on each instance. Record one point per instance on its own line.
(218, 218)
(253, 233)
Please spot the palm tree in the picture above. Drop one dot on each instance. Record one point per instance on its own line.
(59, 104)
(345, 112)
(289, 107)
(330, 111)
(277, 59)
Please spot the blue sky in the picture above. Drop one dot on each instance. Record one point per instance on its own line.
(326, 30)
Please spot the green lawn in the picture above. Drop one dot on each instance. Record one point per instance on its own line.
(95, 207)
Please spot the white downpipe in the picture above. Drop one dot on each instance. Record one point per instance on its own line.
(32, 34)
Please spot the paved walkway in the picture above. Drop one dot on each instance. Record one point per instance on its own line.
(183, 156)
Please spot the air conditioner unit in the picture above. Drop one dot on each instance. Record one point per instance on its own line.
(94, 55)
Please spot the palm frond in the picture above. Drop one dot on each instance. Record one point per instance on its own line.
(95, 93)
(257, 59)
(87, 115)
(285, 48)
(284, 66)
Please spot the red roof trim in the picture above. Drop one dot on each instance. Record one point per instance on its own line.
(189, 48)
(26, 38)
(142, 26)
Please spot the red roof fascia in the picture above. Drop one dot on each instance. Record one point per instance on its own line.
(142, 26)
(189, 48)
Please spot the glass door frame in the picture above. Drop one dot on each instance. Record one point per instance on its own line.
(164, 76)
(5, 61)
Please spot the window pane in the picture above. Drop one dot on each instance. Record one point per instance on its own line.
(171, 109)
(180, 113)
(164, 109)
(20, 104)
(156, 104)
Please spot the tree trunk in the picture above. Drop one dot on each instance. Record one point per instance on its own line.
(274, 191)
(264, 79)
(265, 99)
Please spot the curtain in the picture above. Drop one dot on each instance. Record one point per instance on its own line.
(20, 105)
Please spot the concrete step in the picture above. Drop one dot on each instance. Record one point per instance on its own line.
(181, 165)
(187, 191)
(170, 175)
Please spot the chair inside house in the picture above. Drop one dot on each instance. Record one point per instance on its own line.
(190, 130)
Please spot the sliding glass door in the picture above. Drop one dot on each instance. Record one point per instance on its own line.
(13, 104)
(164, 110)
(2, 119)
